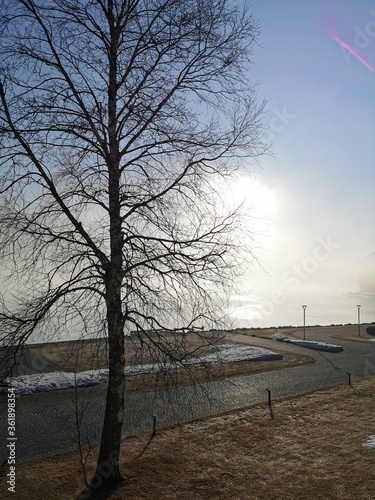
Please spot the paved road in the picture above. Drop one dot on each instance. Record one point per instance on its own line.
(46, 421)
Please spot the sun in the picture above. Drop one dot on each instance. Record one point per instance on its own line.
(257, 202)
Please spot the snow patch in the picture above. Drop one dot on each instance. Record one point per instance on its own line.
(229, 353)
(370, 442)
(280, 336)
(310, 344)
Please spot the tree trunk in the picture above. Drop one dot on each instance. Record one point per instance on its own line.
(107, 470)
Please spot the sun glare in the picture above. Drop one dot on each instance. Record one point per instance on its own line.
(351, 51)
(256, 201)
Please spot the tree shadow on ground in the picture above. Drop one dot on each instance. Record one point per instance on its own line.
(97, 494)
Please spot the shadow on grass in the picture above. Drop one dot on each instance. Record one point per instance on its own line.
(147, 445)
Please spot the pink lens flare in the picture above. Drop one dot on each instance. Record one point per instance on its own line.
(351, 51)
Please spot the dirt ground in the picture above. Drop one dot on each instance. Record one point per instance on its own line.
(309, 448)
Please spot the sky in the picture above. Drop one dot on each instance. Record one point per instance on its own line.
(315, 64)
(320, 179)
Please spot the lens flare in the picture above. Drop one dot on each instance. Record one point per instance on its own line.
(351, 51)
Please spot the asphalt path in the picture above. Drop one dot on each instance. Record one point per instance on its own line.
(46, 422)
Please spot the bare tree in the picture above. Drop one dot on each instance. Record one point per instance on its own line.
(117, 119)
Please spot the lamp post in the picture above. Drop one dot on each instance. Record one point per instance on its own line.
(304, 322)
(359, 319)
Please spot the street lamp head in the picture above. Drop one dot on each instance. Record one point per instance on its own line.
(358, 305)
(304, 307)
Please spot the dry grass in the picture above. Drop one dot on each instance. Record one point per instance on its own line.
(364, 337)
(262, 333)
(266, 333)
(85, 355)
(312, 449)
(181, 377)
(75, 356)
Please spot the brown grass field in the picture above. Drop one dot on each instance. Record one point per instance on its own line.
(87, 355)
(92, 354)
(354, 337)
(311, 449)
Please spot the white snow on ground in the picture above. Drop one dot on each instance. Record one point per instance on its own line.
(310, 344)
(229, 353)
(226, 353)
(370, 442)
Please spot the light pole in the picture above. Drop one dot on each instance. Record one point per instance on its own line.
(304, 322)
(359, 319)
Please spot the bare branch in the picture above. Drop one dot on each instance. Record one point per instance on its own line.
(117, 118)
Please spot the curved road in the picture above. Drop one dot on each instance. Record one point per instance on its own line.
(45, 422)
